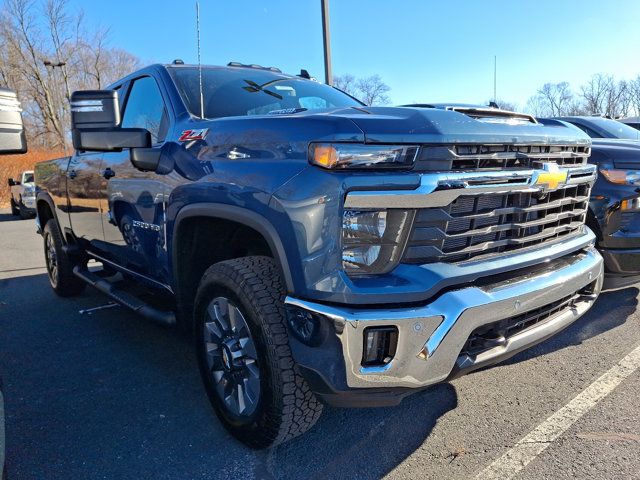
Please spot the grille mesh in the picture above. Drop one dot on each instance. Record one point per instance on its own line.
(499, 157)
(481, 225)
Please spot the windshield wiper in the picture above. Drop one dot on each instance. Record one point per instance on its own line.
(254, 87)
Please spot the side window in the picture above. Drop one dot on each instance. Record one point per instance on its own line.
(145, 109)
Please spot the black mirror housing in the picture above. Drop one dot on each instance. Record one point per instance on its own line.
(11, 182)
(110, 139)
(146, 159)
(94, 109)
(95, 123)
(12, 135)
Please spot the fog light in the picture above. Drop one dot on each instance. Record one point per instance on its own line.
(379, 345)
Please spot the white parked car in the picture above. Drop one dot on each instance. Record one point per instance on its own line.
(23, 195)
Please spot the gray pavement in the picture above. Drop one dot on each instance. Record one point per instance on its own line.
(112, 396)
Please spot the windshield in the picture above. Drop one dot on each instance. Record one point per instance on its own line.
(616, 129)
(231, 92)
(27, 178)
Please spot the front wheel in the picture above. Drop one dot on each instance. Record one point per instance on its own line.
(244, 355)
(14, 208)
(59, 264)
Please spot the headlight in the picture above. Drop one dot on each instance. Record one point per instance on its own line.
(621, 177)
(353, 155)
(29, 191)
(373, 241)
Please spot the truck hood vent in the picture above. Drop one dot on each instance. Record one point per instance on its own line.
(494, 115)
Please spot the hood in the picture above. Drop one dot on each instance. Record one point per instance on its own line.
(392, 125)
(437, 125)
(622, 153)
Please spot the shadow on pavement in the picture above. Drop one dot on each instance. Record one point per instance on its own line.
(7, 217)
(610, 311)
(362, 443)
(113, 396)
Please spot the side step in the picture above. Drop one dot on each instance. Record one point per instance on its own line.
(125, 299)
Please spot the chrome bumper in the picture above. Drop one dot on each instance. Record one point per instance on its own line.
(431, 337)
(29, 202)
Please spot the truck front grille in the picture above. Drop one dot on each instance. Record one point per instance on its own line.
(475, 226)
(499, 157)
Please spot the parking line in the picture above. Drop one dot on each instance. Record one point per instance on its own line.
(534, 443)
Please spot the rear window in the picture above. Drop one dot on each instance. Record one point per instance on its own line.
(232, 92)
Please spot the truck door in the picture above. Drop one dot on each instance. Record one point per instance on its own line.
(133, 209)
(84, 185)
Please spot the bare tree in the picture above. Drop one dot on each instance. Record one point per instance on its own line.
(370, 90)
(595, 93)
(554, 100)
(45, 54)
(633, 95)
(373, 90)
(346, 83)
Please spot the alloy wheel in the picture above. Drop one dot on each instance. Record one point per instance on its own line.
(231, 357)
(52, 260)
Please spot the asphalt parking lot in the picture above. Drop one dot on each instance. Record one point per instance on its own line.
(112, 396)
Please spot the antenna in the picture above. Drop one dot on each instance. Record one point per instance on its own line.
(495, 76)
(199, 62)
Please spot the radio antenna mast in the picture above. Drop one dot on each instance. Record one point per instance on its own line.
(199, 61)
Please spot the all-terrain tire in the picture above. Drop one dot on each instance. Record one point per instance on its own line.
(286, 407)
(14, 208)
(59, 264)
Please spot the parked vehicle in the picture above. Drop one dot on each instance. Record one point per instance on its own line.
(319, 249)
(614, 210)
(12, 140)
(12, 137)
(23, 195)
(631, 121)
(601, 127)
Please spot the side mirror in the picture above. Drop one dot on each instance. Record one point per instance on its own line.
(95, 123)
(12, 137)
(110, 139)
(11, 182)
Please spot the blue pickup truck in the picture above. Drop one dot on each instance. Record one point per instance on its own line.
(320, 250)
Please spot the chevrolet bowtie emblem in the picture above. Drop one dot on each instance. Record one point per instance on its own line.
(550, 177)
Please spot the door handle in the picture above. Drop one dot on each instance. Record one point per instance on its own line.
(108, 173)
(72, 174)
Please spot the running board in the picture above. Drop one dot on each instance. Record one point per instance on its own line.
(125, 299)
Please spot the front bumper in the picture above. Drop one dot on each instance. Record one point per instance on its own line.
(432, 337)
(622, 267)
(29, 203)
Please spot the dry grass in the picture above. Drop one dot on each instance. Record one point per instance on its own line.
(12, 165)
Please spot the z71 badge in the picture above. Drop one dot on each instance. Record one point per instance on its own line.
(189, 135)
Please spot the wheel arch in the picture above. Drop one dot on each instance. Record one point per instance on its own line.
(225, 215)
(45, 210)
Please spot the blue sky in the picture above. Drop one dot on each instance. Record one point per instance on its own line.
(424, 50)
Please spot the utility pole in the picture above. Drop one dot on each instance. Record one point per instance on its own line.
(328, 76)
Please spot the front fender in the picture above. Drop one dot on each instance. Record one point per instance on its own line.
(241, 215)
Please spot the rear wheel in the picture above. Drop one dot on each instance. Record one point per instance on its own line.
(244, 355)
(59, 264)
(14, 208)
